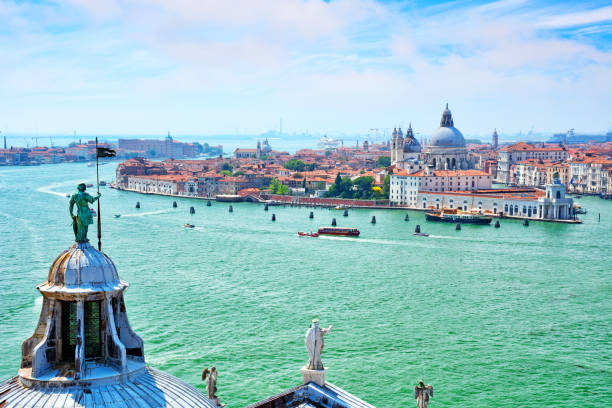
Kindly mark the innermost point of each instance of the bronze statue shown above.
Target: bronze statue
(314, 344)
(422, 393)
(82, 219)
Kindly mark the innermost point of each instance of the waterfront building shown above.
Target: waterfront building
(548, 204)
(590, 175)
(404, 187)
(446, 149)
(521, 151)
(83, 352)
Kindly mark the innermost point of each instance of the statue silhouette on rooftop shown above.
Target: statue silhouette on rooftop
(314, 344)
(83, 217)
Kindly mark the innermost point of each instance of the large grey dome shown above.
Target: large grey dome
(447, 137)
(447, 134)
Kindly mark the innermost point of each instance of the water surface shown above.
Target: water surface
(509, 317)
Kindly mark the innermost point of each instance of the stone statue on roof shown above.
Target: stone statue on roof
(422, 393)
(314, 344)
(83, 217)
(211, 384)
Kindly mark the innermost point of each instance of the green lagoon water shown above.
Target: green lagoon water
(510, 317)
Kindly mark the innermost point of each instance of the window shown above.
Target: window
(69, 330)
(93, 343)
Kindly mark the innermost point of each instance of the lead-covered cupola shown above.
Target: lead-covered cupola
(83, 332)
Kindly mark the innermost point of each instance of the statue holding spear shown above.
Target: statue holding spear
(83, 217)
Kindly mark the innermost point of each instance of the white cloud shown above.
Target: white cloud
(577, 19)
(346, 64)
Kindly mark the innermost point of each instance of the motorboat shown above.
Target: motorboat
(456, 216)
(308, 234)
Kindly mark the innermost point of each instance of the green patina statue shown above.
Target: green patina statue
(82, 219)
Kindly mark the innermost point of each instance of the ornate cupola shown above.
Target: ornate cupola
(83, 352)
(447, 118)
(83, 328)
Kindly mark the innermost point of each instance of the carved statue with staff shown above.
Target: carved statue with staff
(83, 218)
(314, 344)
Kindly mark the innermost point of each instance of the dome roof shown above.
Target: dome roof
(411, 145)
(447, 134)
(82, 269)
(151, 389)
(447, 137)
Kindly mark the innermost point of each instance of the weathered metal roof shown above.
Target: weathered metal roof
(82, 269)
(153, 389)
(312, 396)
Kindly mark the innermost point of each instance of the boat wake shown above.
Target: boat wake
(367, 240)
(142, 214)
(49, 189)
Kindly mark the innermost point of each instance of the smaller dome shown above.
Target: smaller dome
(82, 269)
(411, 145)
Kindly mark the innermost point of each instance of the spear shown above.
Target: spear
(101, 152)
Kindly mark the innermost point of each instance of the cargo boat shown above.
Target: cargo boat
(348, 232)
(454, 216)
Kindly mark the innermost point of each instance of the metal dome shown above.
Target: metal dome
(151, 389)
(447, 137)
(82, 268)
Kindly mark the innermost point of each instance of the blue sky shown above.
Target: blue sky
(339, 66)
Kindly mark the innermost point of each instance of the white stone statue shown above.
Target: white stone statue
(314, 344)
(422, 393)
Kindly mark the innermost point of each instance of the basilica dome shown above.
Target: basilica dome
(447, 135)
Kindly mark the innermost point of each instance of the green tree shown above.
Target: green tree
(304, 183)
(226, 172)
(386, 185)
(276, 187)
(226, 166)
(320, 185)
(383, 161)
(338, 179)
(239, 173)
(346, 188)
(363, 187)
(282, 189)
(295, 165)
(297, 175)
